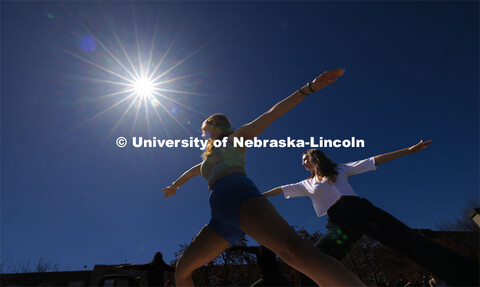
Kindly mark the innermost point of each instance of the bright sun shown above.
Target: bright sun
(145, 84)
(144, 87)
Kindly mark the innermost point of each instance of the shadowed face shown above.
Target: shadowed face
(206, 127)
(216, 126)
(306, 162)
(209, 126)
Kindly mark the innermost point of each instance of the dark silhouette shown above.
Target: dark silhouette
(351, 217)
(267, 262)
(154, 269)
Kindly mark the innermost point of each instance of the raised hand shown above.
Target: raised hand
(169, 191)
(326, 79)
(418, 147)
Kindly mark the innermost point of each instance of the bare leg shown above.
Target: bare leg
(260, 220)
(204, 248)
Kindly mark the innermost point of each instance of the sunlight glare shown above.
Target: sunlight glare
(144, 87)
(144, 84)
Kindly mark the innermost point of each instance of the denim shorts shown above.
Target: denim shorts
(226, 197)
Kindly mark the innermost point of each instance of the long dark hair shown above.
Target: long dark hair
(322, 164)
(219, 121)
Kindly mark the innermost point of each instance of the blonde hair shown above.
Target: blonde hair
(220, 121)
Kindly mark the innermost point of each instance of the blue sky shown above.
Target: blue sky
(71, 196)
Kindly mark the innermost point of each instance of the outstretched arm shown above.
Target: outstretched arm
(396, 154)
(257, 126)
(272, 192)
(186, 176)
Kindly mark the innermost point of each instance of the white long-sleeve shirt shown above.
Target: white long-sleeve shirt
(323, 194)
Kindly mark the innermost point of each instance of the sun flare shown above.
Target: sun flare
(144, 87)
(145, 79)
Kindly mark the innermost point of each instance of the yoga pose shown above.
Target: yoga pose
(237, 206)
(351, 216)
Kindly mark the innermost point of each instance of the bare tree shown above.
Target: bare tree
(311, 238)
(3, 264)
(463, 223)
(27, 266)
(372, 261)
(176, 255)
(227, 260)
(234, 258)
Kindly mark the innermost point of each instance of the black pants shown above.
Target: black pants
(351, 217)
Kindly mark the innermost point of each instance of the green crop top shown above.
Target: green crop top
(221, 161)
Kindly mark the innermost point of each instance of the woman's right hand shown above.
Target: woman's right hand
(169, 191)
(326, 79)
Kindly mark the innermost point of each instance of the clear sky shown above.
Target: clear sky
(71, 196)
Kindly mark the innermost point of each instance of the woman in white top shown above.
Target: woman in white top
(350, 217)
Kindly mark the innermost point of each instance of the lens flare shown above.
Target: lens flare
(88, 44)
(155, 103)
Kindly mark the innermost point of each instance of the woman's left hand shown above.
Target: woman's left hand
(326, 79)
(169, 191)
(418, 147)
